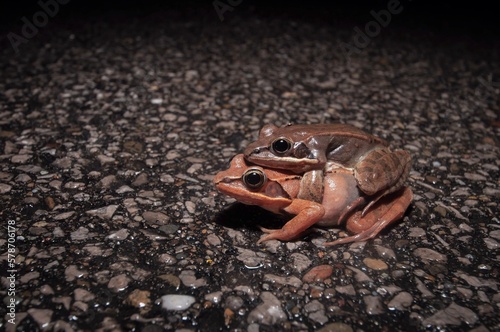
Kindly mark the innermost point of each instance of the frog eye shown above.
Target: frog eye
(254, 178)
(281, 145)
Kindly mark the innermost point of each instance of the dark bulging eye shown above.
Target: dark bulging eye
(254, 178)
(281, 145)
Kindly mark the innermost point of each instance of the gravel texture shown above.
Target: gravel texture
(112, 127)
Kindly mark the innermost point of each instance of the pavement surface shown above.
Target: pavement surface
(114, 122)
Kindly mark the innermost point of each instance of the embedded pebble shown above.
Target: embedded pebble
(214, 297)
(373, 305)
(84, 295)
(29, 276)
(214, 240)
(375, 264)
(175, 302)
(269, 312)
(429, 255)
(250, 258)
(139, 298)
(120, 235)
(104, 213)
(119, 283)
(5, 188)
(347, 290)
(64, 215)
(316, 311)
(300, 261)
(281, 280)
(105, 159)
(189, 279)
(171, 279)
(360, 275)
(124, 189)
(167, 259)
(41, 316)
(401, 301)
(72, 273)
(385, 252)
(157, 218)
(233, 302)
(80, 234)
(318, 273)
(107, 181)
(452, 315)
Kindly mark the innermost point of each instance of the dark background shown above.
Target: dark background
(473, 16)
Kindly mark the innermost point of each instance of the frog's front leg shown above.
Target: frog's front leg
(307, 213)
(388, 210)
(382, 172)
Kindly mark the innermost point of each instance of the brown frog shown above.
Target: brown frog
(300, 149)
(335, 201)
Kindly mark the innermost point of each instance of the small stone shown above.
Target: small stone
(139, 299)
(107, 181)
(171, 280)
(155, 218)
(190, 207)
(228, 316)
(175, 302)
(428, 255)
(5, 188)
(83, 295)
(64, 215)
(347, 290)
(300, 262)
(42, 317)
(269, 312)
(49, 201)
(80, 234)
(119, 283)
(167, 259)
(189, 279)
(401, 301)
(29, 276)
(452, 315)
(124, 189)
(281, 280)
(20, 159)
(440, 210)
(374, 305)
(120, 235)
(140, 180)
(233, 302)
(375, 264)
(105, 159)
(73, 273)
(316, 311)
(104, 213)
(360, 275)
(214, 240)
(214, 297)
(318, 273)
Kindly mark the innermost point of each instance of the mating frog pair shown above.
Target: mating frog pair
(324, 175)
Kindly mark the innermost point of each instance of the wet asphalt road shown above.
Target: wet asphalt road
(113, 125)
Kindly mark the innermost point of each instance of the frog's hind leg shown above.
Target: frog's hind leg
(389, 209)
(382, 172)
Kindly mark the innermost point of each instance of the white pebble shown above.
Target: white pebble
(176, 302)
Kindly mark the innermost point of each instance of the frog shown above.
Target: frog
(302, 148)
(334, 203)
